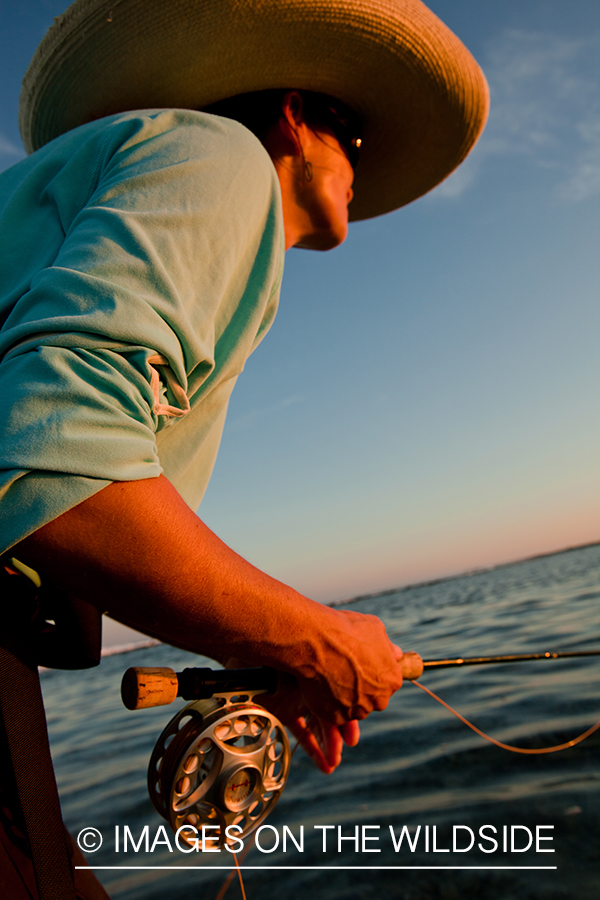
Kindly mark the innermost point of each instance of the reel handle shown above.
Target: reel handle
(142, 688)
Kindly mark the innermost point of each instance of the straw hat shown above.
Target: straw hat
(420, 94)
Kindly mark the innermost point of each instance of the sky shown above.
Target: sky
(427, 400)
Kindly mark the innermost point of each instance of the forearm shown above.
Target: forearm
(137, 551)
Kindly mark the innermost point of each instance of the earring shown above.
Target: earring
(308, 169)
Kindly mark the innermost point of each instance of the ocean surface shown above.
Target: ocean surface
(415, 766)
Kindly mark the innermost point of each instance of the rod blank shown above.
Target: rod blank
(511, 657)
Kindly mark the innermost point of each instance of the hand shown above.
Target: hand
(321, 740)
(354, 672)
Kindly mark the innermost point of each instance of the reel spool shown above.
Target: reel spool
(219, 762)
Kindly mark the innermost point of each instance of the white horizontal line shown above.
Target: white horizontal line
(324, 868)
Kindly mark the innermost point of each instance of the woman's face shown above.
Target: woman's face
(315, 175)
(324, 198)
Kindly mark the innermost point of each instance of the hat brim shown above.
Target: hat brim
(421, 96)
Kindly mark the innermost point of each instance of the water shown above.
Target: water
(416, 765)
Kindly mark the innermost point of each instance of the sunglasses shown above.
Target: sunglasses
(346, 128)
(346, 134)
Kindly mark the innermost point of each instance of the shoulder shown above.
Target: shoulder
(155, 139)
(186, 145)
(184, 134)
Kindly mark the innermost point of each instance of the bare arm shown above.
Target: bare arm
(137, 551)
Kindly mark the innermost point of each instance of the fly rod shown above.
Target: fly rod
(146, 687)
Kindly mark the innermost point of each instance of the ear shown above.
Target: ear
(292, 119)
(292, 108)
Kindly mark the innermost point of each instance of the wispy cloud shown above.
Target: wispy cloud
(9, 153)
(249, 419)
(9, 148)
(545, 103)
(459, 181)
(584, 179)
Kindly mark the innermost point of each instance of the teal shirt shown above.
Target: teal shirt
(140, 264)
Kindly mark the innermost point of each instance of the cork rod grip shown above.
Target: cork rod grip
(142, 688)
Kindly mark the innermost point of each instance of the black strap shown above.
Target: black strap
(26, 731)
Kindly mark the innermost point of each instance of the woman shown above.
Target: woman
(149, 248)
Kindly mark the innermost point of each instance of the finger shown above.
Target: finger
(331, 742)
(398, 654)
(350, 732)
(310, 744)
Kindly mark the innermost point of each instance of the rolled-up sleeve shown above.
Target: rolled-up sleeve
(156, 276)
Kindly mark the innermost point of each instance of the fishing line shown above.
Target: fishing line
(239, 871)
(512, 749)
(227, 883)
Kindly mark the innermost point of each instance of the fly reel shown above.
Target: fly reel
(221, 761)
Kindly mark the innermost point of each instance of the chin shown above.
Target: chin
(324, 239)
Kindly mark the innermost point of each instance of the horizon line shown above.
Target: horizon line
(479, 570)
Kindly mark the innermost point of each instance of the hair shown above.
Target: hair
(259, 111)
